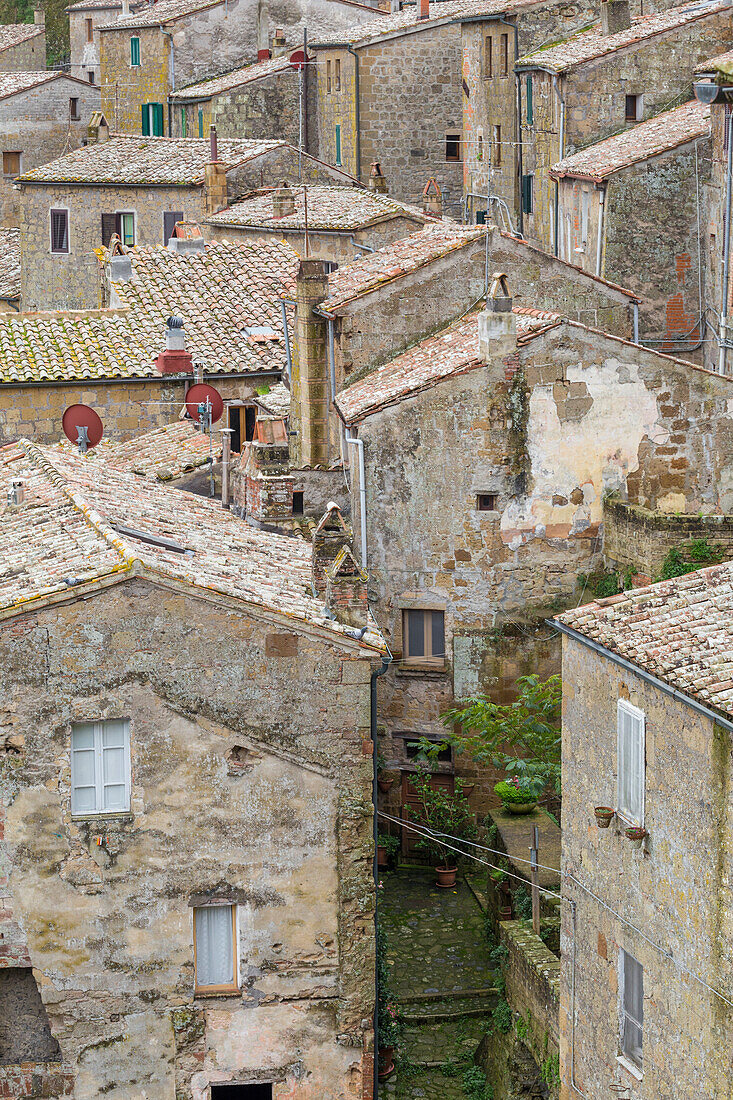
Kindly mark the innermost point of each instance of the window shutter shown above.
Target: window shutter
(416, 633)
(338, 145)
(438, 634)
(201, 122)
(530, 105)
(630, 763)
(83, 770)
(114, 766)
(145, 119)
(158, 119)
(59, 231)
(170, 217)
(109, 226)
(214, 945)
(134, 51)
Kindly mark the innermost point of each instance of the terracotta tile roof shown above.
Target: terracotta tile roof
(65, 536)
(680, 631)
(111, 5)
(452, 351)
(162, 454)
(203, 89)
(219, 294)
(345, 208)
(13, 83)
(146, 160)
(723, 63)
(407, 22)
(12, 34)
(276, 402)
(163, 11)
(591, 44)
(395, 260)
(646, 139)
(9, 263)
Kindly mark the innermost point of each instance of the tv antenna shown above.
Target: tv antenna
(205, 405)
(82, 426)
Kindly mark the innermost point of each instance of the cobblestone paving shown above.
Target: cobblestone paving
(439, 959)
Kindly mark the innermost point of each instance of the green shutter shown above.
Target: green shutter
(183, 121)
(145, 119)
(338, 145)
(530, 107)
(157, 119)
(201, 122)
(527, 182)
(134, 51)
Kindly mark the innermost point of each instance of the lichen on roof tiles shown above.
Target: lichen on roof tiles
(202, 89)
(345, 208)
(9, 264)
(164, 11)
(12, 34)
(276, 402)
(164, 454)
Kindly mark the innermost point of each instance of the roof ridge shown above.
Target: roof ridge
(93, 519)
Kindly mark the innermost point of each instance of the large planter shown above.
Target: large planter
(382, 857)
(520, 807)
(385, 784)
(445, 877)
(604, 816)
(385, 1063)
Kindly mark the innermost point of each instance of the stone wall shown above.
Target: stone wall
(25, 1035)
(639, 539)
(85, 54)
(265, 108)
(126, 87)
(37, 124)
(28, 56)
(127, 407)
(669, 911)
(284, 836)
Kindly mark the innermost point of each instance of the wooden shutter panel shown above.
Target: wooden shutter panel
(109, 226)
(145, 119)
(158, 119)
(630, 763)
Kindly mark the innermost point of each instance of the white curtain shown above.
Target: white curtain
(214, 945)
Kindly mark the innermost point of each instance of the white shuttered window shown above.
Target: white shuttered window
(100, 767)
(630, 762)
(632, 1008)
(214, 927)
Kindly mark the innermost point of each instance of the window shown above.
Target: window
(338, 144)
(504, 55)
(630, 763)
(241, 1092)
(487, 502)
(134, 51)
(632, 1008)
(170, 217)
(328, 76)
(201, 122)
(528, 193)
(152, 120)
(184, 122)
(530, 101)
(488, 57)
(452, 146)
(126, 229)
(497, 146)
(214, 940)
(11, 164)
(337, 75)
(90, 75)
(59, 230)
(423, 636)
(74, 109)
(100, 767)
(298, 496)
(633, 108)
(90, 30)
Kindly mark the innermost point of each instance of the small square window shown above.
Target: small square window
(11, 164)
(633, 108)
(90, 75)
(487, 502)
(74, 109)
(215, 948)
(423, 636)
(453, 147)
(298, 502)
(100, 767)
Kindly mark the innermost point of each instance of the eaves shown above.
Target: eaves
(377, 39)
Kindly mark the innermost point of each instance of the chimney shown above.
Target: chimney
(279, 43)
(615, 16)
(16, 493)
(39, 16)
(98, 129)
(310, 400)
(186, 238)
(213, 145)
(376, 181)
(432, 198)
(283, 201)
(329, 537)
(125, 10)
(263, 55)
(424, 9)
(346, 589)
(497, 325)
(175, 359)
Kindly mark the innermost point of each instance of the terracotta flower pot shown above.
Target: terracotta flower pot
(386, 1063)
(636, 835)
(505, 912)
(604, 815)
(520, 807)
(382, 857)
(467, 789)
(385, 784)
(445, 877)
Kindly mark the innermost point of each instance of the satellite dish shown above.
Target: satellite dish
(82, 426)
(298, 59)
(198, 395)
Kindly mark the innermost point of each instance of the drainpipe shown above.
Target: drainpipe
(726, 254)
(518, 127)
(520, 150)
(635, 307)
(171, 78)
(288, 357)
(332, 358)
(355, 442)
(601, 228)
(556, 86)
(357, 113)
(226, 458)
(375, 794)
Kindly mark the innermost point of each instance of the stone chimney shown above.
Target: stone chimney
(175, 359)
(39, 16)
(98, 129)
(125, 10)
(432, 198)
(497, 325)
(376, 181)
(283, 201)
(215, 179)
(346, 589)
(329, 537)
(310, 400)
(423, 9)
(186, 238)
(615, 16)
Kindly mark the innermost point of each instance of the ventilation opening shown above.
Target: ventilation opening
(25, 1033)
(487, 502)
(298, 502)
(241, 1092)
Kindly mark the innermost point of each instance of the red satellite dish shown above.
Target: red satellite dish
(298, 59)
(80, 417)
(198, 395)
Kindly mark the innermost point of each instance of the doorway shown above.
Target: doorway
(242, 420)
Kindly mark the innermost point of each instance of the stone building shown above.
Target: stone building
(9, 270)
(85, 19)
(42, 115)
(343, 222)
(228, 297)
(632, 208)
(23, 45)
(646, 990)
(199, 825)
(483, 455)
(138, 188)
(147, 56)
(598, 83)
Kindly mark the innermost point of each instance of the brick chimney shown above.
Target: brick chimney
(615, 16)
(423, 9)
(376, 181)
(175, 359)
(283, 201)
(215, 179)
(309, 388)
(279, 43)
(432, 198)
(346, 589)
(329, 537)
(186, 238)
(497, 325)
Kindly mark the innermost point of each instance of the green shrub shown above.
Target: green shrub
(522, 901)
(689, 557)
(475, 1084)
(519, 790)
(501, 1017)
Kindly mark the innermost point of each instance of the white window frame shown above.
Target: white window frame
(428, 657)
(624, 706)
(130, 214)
(629, 1063)
(52, 250)
(100, 808)
(234, 987)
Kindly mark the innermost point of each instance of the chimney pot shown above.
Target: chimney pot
(174, 359)
(497, 324)
(615, 16)
(16, 492)
(432, 198)
(125, 9)
(424, 12)
(376, 181)
(283, 200)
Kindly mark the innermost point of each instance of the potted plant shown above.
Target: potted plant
(604, 815)
(387, 848)
(389, 1018)
(385, 782)
(636, 834)
(519, 793)
(447, 813)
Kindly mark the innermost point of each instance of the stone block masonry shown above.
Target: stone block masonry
(639, 539)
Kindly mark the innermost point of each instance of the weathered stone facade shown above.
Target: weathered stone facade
(268, 107)
(639, 539)
(84, 24)
(281, 831)
(26, 56)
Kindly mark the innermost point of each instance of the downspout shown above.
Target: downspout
(556, 86)
(635, 307)
(171, 78)
(375, 829)
(359, 443)
(357, 121)
(288, 357)
(332, 358)
(726, 254)
(601, 228)
(305, 89)
(520, 204)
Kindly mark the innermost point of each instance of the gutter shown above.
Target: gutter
(600, 242)
(648, 678)
(88, 382)
(357, 120)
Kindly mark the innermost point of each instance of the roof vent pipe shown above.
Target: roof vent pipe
(424, 10)
(214, 145)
